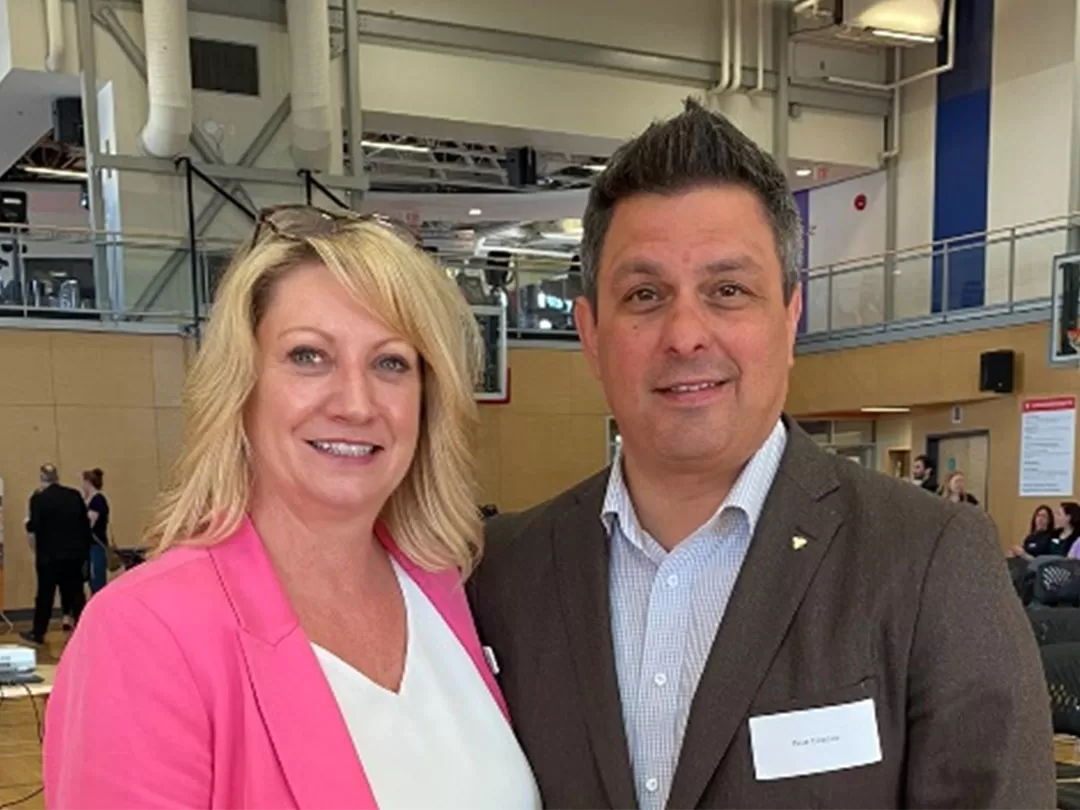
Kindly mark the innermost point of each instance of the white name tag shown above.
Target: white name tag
(801, 743)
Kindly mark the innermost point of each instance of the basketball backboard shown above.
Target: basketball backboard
(1065, 316)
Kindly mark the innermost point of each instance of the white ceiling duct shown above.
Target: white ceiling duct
(920, 18)
(54, 34)
(168, 77)
(309, 56)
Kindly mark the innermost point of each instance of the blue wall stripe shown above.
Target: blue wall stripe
(802, 201)
(962, 157)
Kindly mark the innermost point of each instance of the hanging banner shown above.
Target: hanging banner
(1047, 446)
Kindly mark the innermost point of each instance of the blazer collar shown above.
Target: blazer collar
(309, 735)
(771, 586)
(298, 707)
(581, 554)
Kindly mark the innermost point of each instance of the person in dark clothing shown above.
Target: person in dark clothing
(59, 532)
(97, 508)
(1042, 536)
(922, 473)
(1068, 524)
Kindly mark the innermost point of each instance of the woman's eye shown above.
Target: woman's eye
(394, 363)
(306, 356)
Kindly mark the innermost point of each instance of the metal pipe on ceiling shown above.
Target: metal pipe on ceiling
(309, 60)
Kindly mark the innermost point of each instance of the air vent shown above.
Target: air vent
(224, 67)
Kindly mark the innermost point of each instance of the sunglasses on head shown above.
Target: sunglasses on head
(300, 222)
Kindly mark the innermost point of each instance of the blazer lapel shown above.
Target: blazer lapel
(581, 578)
(309, 734)
(769, 590)
(446, 593)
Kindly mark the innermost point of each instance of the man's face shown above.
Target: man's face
(691, 337)
(918, 469)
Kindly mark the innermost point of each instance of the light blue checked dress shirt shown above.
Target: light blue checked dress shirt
(666, 608)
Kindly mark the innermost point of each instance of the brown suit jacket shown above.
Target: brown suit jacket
(897, 595)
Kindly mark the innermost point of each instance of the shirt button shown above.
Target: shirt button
(673, 581)
(660, 679)
(652, 785)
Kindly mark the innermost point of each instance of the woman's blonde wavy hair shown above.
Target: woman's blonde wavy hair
(432, 515)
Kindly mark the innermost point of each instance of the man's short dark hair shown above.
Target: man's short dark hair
(49, 475)
(696, 148)
(926, 462)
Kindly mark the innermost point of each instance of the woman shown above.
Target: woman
(1067, 519)
(97, 508)
(302, 638)
(956, 489)
(1041, 535)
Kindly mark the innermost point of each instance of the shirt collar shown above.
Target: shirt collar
(747, 495)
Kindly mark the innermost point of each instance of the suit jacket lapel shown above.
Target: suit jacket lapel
(769, 590)
(582, 577)
(299, 710)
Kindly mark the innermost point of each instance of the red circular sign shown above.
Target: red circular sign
(860, 202)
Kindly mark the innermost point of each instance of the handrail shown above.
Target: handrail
(1004, 231)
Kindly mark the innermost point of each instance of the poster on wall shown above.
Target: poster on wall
(1047, 446)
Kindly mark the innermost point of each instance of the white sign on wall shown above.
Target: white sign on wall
(1047, 446)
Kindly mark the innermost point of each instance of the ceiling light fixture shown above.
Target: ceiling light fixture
(803, 172)
(65, 174)
(475, 212)
(595, 167)
(397, 147)
(886, 409)
(906, 36)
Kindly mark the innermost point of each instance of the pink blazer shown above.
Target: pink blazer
(189, 683)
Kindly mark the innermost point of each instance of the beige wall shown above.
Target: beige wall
(932, 375)
(84, 400)
(551, 435)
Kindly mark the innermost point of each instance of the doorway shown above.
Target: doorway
(967, 452)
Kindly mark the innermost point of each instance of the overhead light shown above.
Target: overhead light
(906, 36)
(595, 167)
(535, 252)
(804, 5)
(475, 212)
(562, 236)
(886, 409)
(45, 171)
(803, 172)
(397, 147)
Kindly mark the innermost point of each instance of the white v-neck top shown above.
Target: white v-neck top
(441, 741)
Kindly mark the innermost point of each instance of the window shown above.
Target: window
(224, 67)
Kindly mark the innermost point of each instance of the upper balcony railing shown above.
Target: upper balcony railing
(148, 282)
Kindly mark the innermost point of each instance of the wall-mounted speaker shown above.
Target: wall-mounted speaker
(996, 370)
(68, 120)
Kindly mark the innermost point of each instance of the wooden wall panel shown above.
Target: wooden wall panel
(91, 369)
(25, 369)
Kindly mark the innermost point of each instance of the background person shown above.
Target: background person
(59, 533)
(303, 638)
(955, 489)
(97, 509)
(922, 473)
(1041, 537)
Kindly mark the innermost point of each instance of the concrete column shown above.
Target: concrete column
(354, 127)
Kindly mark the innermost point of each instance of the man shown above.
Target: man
(922, 473)
(59, 532)
(667, 631)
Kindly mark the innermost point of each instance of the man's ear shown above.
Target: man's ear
(585, 320)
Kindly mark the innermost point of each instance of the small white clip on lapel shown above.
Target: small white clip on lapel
(798, 542)
(489, 656)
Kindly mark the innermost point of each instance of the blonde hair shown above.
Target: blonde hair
(432, 514)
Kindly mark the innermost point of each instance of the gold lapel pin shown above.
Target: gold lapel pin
(798, 542)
